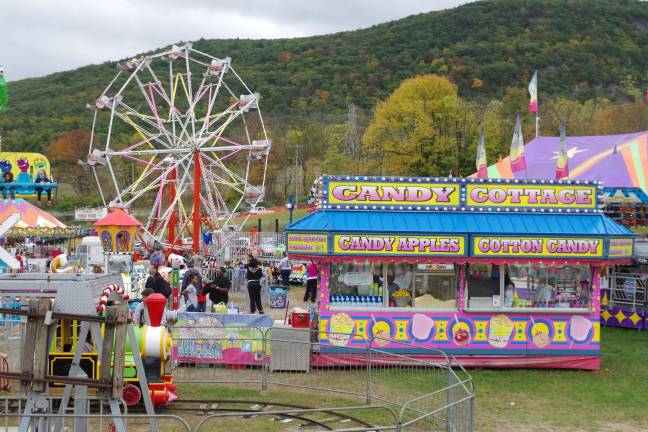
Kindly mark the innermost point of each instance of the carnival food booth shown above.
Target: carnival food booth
(499, 273)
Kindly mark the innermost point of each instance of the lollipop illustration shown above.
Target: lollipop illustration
(461, 333)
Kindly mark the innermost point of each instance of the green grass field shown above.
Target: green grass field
(612, 399)
(571, 400)
(268, 219)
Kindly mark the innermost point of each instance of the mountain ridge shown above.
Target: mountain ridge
(582, 49)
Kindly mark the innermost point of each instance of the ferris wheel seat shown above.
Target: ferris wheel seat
(253, 194)
(105, 103)
(216, 67)
(28, 187)
(248, 102)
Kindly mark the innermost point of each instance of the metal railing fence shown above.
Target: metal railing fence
(628, 289)
(237, 245)
(429, 391)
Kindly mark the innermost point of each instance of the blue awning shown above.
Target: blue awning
(460, 223)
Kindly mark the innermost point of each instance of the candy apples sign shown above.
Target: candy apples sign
(347, 244)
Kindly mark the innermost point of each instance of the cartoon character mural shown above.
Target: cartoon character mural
(5, 166)
(123, 241)
(106, 241)
(25, 168)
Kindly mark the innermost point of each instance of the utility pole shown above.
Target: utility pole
(297, 177)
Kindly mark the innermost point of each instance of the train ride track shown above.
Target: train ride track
(317, 419)
(254, 408)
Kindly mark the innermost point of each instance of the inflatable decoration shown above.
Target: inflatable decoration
(59, 263)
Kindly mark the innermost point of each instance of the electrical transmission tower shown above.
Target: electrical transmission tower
(352, 140)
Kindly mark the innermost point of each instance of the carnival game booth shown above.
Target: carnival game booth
(500, 273)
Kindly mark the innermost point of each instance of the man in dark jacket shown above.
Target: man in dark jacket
(156, 282)
(218, 289)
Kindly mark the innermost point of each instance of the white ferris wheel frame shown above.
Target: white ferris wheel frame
(173, 143)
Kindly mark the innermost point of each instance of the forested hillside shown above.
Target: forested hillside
(584, 50)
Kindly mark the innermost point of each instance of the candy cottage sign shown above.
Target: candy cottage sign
(425, 194)
(513, 196)
(441, 194)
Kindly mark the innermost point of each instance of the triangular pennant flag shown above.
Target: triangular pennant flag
(516, 156)
(482, 171)
(533, 93)
(562, 162)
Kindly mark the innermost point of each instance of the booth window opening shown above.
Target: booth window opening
(394, 285)
(515, 287)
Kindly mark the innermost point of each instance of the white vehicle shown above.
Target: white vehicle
(90, 252)
(257, 210)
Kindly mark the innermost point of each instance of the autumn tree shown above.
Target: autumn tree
(419, 130)
(68, 154)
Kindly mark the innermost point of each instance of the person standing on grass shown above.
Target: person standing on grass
(218, 289)
(157, 257)
(285, 268)
(253, 275)
(186, 277)
(191, 294)
(311, 281)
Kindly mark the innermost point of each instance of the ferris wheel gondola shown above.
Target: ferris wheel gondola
(180, 133)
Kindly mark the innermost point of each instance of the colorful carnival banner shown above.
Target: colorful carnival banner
(310, 243)
(348, 244)
(471, 194)
(621, 248)
(550, 247)
(535, 196)
(220, 338)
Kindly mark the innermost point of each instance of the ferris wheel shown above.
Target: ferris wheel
(179, 134)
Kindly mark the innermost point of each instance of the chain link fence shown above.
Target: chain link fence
(395, 391)
(359, 389)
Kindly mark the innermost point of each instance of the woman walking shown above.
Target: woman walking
(253, 276)
(311, 282)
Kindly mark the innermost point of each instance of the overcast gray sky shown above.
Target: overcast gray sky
(44, 36)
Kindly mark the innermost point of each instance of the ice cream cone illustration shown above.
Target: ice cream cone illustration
(341, 329)
(499, 331)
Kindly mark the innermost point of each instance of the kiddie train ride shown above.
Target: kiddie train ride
(153, 346)
(83, 293)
